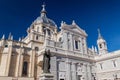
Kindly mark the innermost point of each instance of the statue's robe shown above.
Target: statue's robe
(46, 62)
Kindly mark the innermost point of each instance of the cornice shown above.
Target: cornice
(107, 56)
(72, 55)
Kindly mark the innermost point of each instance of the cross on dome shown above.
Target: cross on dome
(43, 8)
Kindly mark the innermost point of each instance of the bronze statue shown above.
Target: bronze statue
(46, 62)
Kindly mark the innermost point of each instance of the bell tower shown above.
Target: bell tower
(102, 46)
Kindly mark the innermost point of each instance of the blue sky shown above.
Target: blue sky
(17, 15)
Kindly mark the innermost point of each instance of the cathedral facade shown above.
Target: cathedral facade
(71, 59)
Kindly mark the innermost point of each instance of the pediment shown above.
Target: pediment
(77, 29)
(74, 28)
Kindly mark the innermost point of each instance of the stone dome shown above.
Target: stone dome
(44, 19)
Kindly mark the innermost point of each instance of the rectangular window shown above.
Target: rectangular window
(101, 66)
(37, 37)
(114, 63)
(76, 44)
(25, 68)
(6, 45)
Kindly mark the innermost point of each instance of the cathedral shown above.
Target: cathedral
(71, 59)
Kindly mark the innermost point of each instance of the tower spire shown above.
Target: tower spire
(99, 34)
(102, 46)
(43, 11)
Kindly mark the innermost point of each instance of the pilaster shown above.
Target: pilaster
(89, 71)
(21, 66)
(53, 68)
(18, 62)
(74, 75)
(65, 41)
(8, 59)
(85, 71)
(71, 40)
(33, 63)
(68, 71)
(30, 65)
(84, 46)
(80, 44)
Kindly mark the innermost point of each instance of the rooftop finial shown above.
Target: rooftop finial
(19, 39)
(99, 34)
(73, 22)
(62, 23)
(43, 8)
(9, 37)
(3, 37)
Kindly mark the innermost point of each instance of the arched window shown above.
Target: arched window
(114, 63)
(33, 27)
(100, 45)
(48, 32)
(6, 45)
(36, 49)
(101, 66)
(37, 29)
(60, 39)
(76, 44)
(37, 37)
(25, 68)
(43, 29)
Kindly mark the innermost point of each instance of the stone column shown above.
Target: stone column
(82, 47)
(68, 70)
(31, 36)
(30, 65)
(21, 65)
(85, 46)
(53, 68)
(17, 65)
(18, 62)
(89, 71)
(65, 39)
(33, 63)
(21, 61)
(80, 44)
(74, 75)
(8, 60)
(85, 71)
(72, 43)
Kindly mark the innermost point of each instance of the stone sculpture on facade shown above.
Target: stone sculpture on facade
(46, 75)
(46, 62)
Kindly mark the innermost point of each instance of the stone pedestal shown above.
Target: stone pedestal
(46, 76)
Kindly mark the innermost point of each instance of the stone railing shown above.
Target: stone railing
(57, 48)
